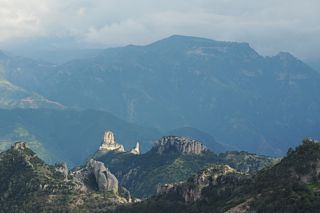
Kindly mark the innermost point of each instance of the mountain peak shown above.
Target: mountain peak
(189, 38)
(203, 47)
(183, 145)
(184, 40)
(285, 56)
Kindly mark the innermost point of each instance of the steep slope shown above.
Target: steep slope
(172, 159)
(227, 89)
(292, 185)
(27, 184)
(14, 96)
(68, 135)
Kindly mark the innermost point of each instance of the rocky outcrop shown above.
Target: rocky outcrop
(244, 207)
(191, 190)
(174, 144)
(125, 193)
(48, 188)
(19, 146)
(63, 169)
(109, 143)
(136, 149)
(104, 178)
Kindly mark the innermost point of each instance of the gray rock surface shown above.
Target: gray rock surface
(191, 190)
(105, 179)
(183, 145)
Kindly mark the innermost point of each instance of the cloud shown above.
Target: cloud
(269, 26)
(17, 22)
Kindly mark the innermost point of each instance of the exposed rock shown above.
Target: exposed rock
(105, 179)
(174, 144)
(41, 187)
(109, 143)
(63, 169)
(191, 190)
(125, 193)
(19, 146)
(244, 207)
(166, 188)
(136, 149)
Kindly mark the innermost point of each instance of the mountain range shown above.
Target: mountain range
(226, 89)
(259, 184)
(292, 185)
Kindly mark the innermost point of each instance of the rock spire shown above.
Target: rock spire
(109, 143)
(136, 149)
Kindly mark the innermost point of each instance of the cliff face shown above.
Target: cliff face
(174, 144)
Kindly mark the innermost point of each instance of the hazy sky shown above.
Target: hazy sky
(269, 26)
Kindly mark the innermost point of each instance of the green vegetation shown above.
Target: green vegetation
(20, 133)
(292, 185)
(142, 174)
(27, 184)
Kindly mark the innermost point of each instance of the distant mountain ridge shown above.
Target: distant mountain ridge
(68, 135)
(14, 96)
(227, 89)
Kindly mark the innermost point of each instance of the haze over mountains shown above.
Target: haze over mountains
(242, 99)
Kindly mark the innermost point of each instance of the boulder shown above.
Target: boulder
(105, 179)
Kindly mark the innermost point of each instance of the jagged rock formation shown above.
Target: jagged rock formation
(105, 179)
(125, 193)
(182, 145)
(19, 146)
(191, 190)
(27, 183)
(109, 143)
(171, 160)
(63, 169)
(136, 149)
(292, 185)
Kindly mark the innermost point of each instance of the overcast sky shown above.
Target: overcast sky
(269, 26)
